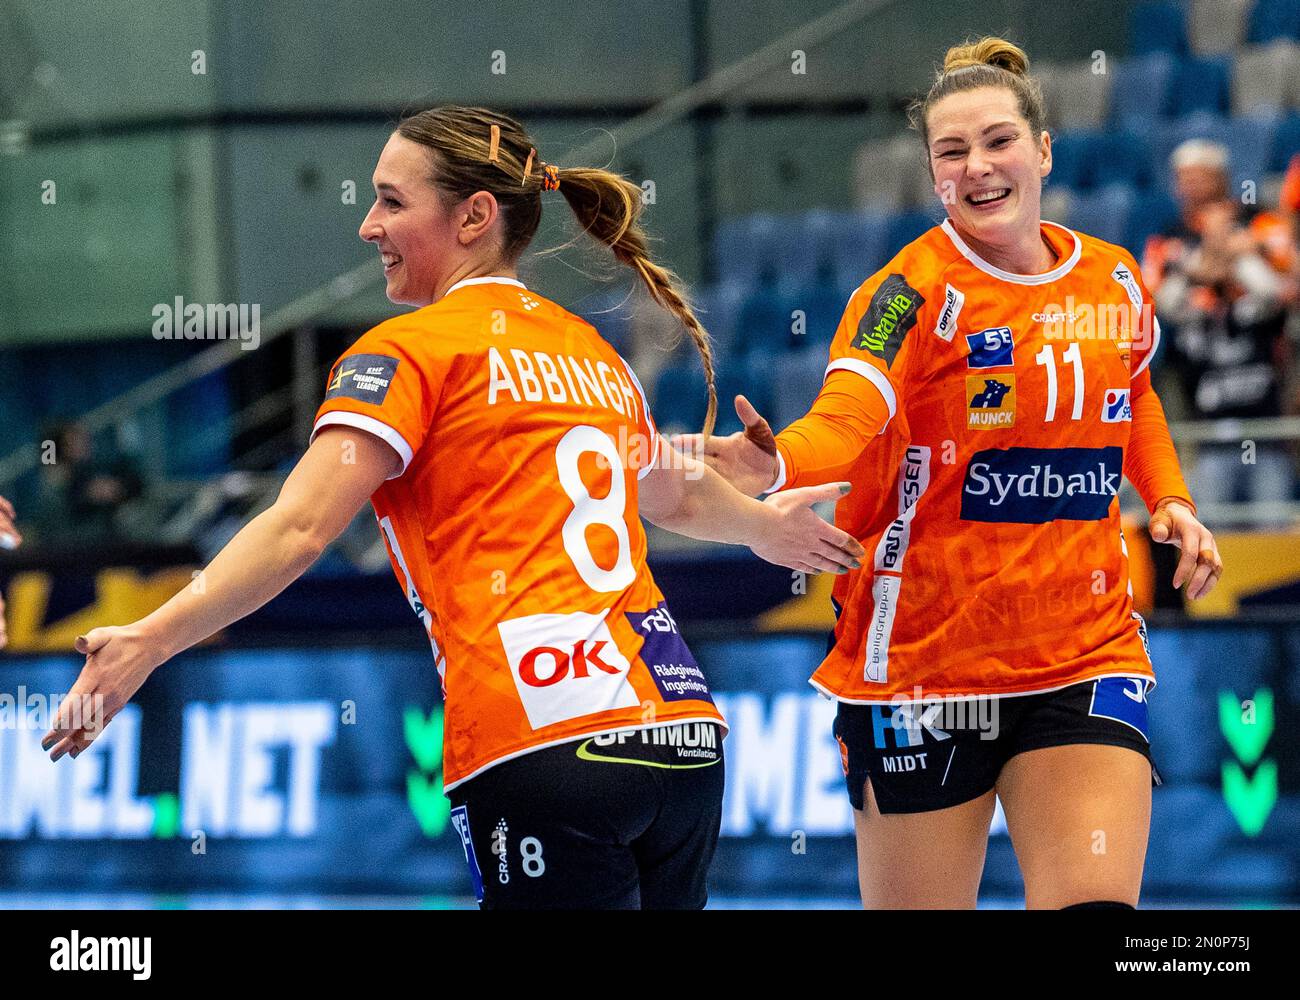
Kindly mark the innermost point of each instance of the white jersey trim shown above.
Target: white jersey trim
(371, 426)
(1060, 271)
(873, 375)
(781, 473)
(1155, 342)
(720, 723)
(491, 279)
(653, 464)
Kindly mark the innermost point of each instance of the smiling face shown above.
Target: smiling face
(416, 234)
(988, 165)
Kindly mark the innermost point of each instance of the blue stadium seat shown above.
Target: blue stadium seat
(1274, 19)
(744, 245)
(861, 247)
(1286, 142)
(905, 227)
(1200, 85)
(1140, 90)
(763, 320)
(1104, 213)
(718, 307)
(1250, 147)
(1152, 212)
(798, 378)
(1158, 27)
(753, 379)
(1071, 156)
(1119, 157)
(808, 244)
(822, 301)
(680, 398)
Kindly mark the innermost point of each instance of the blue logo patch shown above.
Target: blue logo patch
(666, 655)
(1123, 699)
(460, 820)
(989, 348)
(1038, 485)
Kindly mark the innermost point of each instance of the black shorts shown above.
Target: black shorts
(622, 821)
(932, 755)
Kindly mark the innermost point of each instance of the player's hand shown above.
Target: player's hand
(746, 459)
(9, 536)
(119, 659)
(9, 539)
(801, 540)
(1200, 566)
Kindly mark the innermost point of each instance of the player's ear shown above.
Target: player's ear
(477, 214)
(1044, 154)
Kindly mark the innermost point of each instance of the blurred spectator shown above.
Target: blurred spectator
(1222, 301)
(83, 496)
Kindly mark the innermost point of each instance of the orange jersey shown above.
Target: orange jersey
(988, 501)
(513, 525)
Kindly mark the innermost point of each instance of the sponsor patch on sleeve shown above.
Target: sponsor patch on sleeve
(365, 377)
(890, 314)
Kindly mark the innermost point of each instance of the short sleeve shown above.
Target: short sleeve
(383, 387)
(874, 331)
(1146, 338)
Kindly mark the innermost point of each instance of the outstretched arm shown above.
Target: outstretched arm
(326, 489)
(819, 447)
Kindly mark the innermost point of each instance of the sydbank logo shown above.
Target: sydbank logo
(1038, 485)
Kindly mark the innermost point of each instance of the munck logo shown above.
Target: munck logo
(566, 666)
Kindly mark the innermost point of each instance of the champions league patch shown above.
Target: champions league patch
(666, 655)
(364, 377)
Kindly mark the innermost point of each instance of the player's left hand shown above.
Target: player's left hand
(119, 659)
(9, 539)
(1200, 566)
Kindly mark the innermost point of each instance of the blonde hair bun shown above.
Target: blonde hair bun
(987, 52)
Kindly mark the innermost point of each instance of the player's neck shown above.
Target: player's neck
(1031, 255)
(469, 270)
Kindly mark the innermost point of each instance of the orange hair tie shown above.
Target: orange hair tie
(494, 147)
(550, 177)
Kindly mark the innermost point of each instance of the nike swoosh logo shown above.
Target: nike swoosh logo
(585, 754)
(1137, 694)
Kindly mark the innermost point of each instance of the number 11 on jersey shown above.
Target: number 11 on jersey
(1047, 358)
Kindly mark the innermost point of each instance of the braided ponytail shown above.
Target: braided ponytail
(607, 207)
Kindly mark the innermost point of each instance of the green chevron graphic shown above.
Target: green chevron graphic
(1251, 800)
(1247, 739)
(430, 805)
(423, 737)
